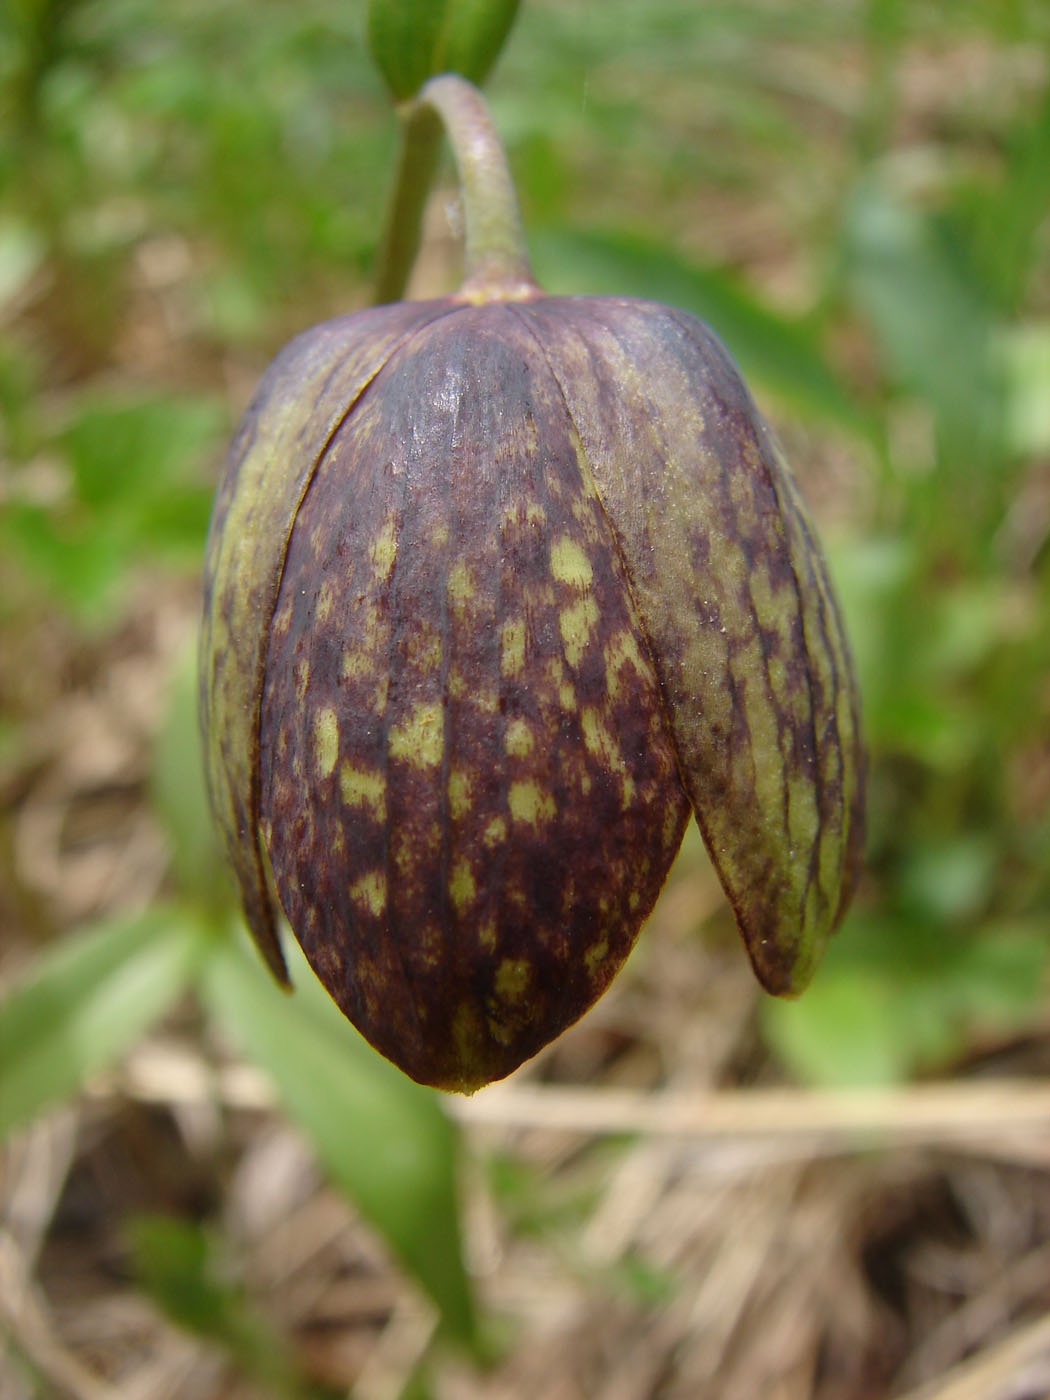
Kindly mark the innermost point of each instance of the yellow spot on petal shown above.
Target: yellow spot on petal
(620, 651)
(363, 787)
(529, 803)
(561, 683)
(423, 648)
(461, 585)
(462, 887)
(518, 739)
(467, 1033)
(595, 956)
(382, 551)
(459, 793)
(420, 737)
(575, 623)
(773, 608)
(324, 603)
(356, 664)
(512, 978)
(370, 892)
(326, 740)
(569, 564)
(402, 851)
(512, 647)
(487, 933)
(600, 743)
(495, 832)
(302, 678)
(603, 746)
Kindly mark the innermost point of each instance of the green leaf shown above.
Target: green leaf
(842, 1033)
(182, 1268)
(383, 1140)
(1024, 352)
(120, 449)
(21, 254)
(896, 996)
(85, 1002)
(910, 274)
(1011, 216)
(411, 40)
(179, 793)
(780, 353)
(82, 566)
(139, 494)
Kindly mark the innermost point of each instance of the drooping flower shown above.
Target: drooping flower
(500, 588)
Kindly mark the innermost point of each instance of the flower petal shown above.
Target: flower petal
(733, 594)
(304, 396)
(469, 791)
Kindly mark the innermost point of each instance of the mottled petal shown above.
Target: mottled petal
(736, 606)
(469, 791)
(304, 396)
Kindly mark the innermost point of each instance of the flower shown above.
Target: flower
(496, 595)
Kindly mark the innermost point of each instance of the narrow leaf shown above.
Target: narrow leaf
(85, 1002)
(179, 794)
(411, 40)
(384, 1141)
(911, 276)
(183, 1269)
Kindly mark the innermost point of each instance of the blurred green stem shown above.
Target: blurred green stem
(39, 31)
(417, 162)
(495, 261)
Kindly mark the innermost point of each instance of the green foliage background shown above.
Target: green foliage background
(220, 172)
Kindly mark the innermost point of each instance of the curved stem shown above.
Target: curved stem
(495, 262)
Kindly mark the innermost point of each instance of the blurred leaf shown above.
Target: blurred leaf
(21, 253)
(179, 793)
(949, 879)
(917, 666)
(138, 494)
(1025, 356)
(774, 350)
(871, 577)
(965, 626)
(119, 450)
(81, 566)
(411, 40)
(181, 1267)
(1011, 216)
(382, 1139)
(909, 273)
(85, 1001)
(842, 1033)
(646, 1284)
(896, 997)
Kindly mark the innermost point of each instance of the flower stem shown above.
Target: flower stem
(495, 261)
